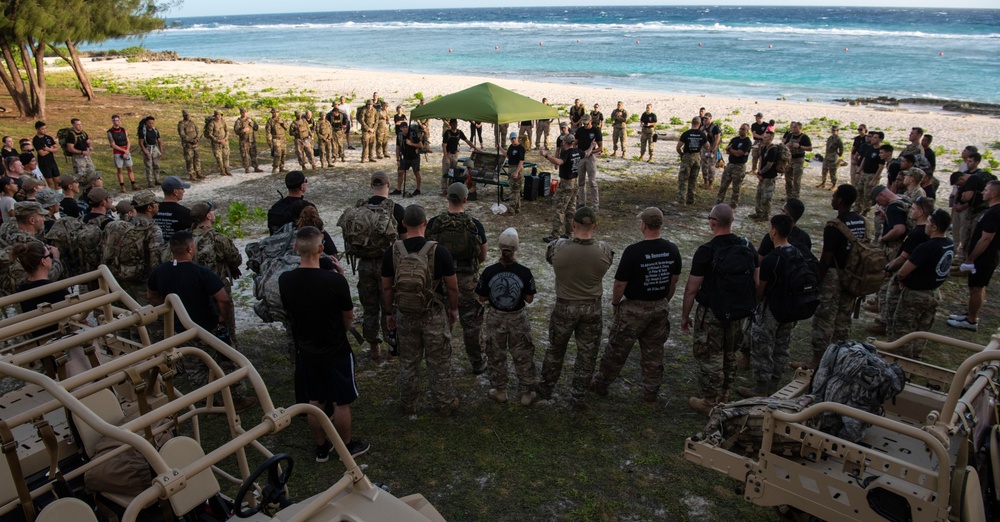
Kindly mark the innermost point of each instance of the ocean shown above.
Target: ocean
(797, 53)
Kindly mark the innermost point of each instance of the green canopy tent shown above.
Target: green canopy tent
(486, 102)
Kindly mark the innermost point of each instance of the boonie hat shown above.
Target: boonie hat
(144, 198)
(294, 179)
(48, 197)
(172, 183)
(509, 240)
(97, 195)
(200, 210)
(875, 191)
(29, 208)
(414, 216)
(585, 216)
(380, 179)
(652, 217)
(457, 192)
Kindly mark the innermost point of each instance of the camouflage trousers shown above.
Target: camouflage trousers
(687, 177)
(221, 153)
(645, 140)
(914, 313)
(969, 220)
(326, 157)
(278, 155)
(83, 166)
(382, 142)
(890, 303)
(715, 345)
(830, 166)
(542, 134)
(755, 158)
(304, 153)
(618, 138)
(470, 315)
(864, 203)
(370, 295)
(708, 167)
(338, 145)
(583, 320)
(510, 332)
(425, 337)
(765, 193)
(647, 322)
(191, 161)
(151, 161)
(769, 342)
(248, 158)
(516, 189)
(855, 169)
(448, 161)
(832, 321)
(733, 174)
(883, 296)
(793, 178)
(564, 205)
(367, 145)
(587, 192)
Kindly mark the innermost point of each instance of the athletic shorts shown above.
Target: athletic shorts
(405, 164)
(321, 380)
(347, 126)
(984, 272)
(122, 161)
(50, 171)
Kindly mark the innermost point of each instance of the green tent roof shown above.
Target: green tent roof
(486, 102)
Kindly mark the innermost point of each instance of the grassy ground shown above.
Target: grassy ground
(620, 460)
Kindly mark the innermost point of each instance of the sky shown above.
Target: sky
(235, 7)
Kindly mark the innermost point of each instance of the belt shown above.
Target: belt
(645, 303)
(595, 300)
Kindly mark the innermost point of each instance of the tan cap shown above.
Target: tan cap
(97, 195)
(124, 207)
(457, 192)
(652, 217)
(380, 179)
(144, 198)
(200, 210)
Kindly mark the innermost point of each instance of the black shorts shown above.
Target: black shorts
(321, 380)
(347, 126)
(405, 164)
(49, 171)
(984, 272)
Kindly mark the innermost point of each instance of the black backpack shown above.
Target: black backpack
(733, 291)
(795, 295)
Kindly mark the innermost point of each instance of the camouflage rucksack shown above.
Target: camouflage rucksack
(738, 426)
(270, 247)
(864, 269)
(78, 242)
(64, 136)
(783, 158)
(124, 249)
(855, 375)
(207, 253)
(265, 287)
(368, 229)
(414, 281)
(457, 232)
(11, 272)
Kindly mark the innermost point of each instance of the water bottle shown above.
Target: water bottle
(393, 343)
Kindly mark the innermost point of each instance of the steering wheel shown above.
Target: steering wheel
(273, 492)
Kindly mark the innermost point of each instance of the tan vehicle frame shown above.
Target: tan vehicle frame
(353, 497)
(910, 453)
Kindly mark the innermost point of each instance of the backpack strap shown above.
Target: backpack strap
(429, 250)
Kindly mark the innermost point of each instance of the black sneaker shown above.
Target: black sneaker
(395, 193)
(416, 192)
(323, 452)
(357, 447)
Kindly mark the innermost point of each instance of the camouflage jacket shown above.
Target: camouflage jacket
(367, 117)
(244, 128)
(217, 131)
(324, 130)
(619, 117)
(188, 131)
(834, 146)
(217, 252)
(300, 129)
(276, 128)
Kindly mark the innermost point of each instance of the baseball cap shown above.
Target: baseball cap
(124, 207)
(172, 183)
(66, 180)
(29, 208)
(294, 179)
(759, 115)
(200, 210)
(29, 183)
(48, 197)
(217, 112)
(509, 240)
(563, 125)
(25, 158)
(457, 192)
(585, 216)
(414, 216)
(380, 179)
(97, 195)
(585, 119)
(144, 198)
(875, 191)
(512, 136)
(652, 217)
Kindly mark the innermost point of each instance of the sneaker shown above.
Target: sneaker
(498, 395)
(528, 398)
(323, 452)
(357, 447)
(416, 192)
(958, 317)
(395, 193)
(963, 324)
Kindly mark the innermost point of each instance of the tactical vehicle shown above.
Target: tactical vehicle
(933, 456)
(88, 394)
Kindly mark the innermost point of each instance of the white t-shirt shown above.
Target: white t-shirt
(345, 108)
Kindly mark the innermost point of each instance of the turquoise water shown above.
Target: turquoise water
(794, 52)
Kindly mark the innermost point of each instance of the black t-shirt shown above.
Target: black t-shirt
(451, 139)
(770, 158)
(53, 297)
(870, 159)
(152, 137)
(975, 184)
(895, 214)
(932, 159)
(645, 118)
(758, 128)
(570, 163)
(444, 265)
(916, 236)
(410, 152)
(194, 284)
(118, 136)
(802, 140)
(398, 120)
(693, 140)
(172, 218)
(43, 142)
(647, 267)
(859, 143)
(280, 213)
(515, 155)
(933, 259)
(892, 172)
(397, 212)
(740, 144)
(701, 263)
(506, 287)
(989, 222)
(712, 130)
(70, 207)
(773, 266)
(836, 243)
(798, 238)
(315, 301)
(585, 136)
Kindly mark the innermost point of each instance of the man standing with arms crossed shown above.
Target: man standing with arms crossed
(218, 132)
(152, 151)
(798, 144)
(757, 130)
(831, 162)
(275, 130)
(648, 122)
(188, 132)
(689, 146)
(588, 194)
(714, 134)
(566, 194)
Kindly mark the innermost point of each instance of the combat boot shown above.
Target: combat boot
(760, 390)
(498, 395)
(703, 406)
(743, 363)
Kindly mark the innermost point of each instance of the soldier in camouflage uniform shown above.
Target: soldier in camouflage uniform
(619, 118)
(579, 265)
(739, 151)
(299, 129)
(382, 132)
(215, 251)
(275, 129)
(368, 118)
(766, 176)
(80, 147)
(542, 130)
(798, 143)
(246, 129)
(337, 122)
(218, 132)
(647, 278)
(324, 134)
(715, 341)
(428, 334)
(831, 161)
(145, 253)
(508, 286)
(565, 198)
(689, 146)
(30, 219)
(188, 132)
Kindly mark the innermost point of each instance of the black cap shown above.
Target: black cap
(294, 179)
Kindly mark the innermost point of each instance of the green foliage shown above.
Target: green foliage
(995, 145)
(418, 95)
(728, 129)
(736, 112)
(676, 120)
(939, 151)
(186, 89)
(237, 218)
(633, 118)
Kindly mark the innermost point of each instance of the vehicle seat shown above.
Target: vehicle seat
(182, 451)
(66, 509)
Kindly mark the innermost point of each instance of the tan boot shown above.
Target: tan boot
(703, 406)
(743, 363)
(498, 395)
